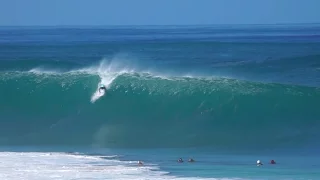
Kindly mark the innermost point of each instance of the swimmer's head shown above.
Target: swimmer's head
(272, 162)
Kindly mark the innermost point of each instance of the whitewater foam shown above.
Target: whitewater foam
(98, 94)
(42, 70)
(47, 166)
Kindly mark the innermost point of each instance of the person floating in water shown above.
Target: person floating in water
(180, 160)
(272, 162)
(102, 87)
(259, 163)
(191, 160)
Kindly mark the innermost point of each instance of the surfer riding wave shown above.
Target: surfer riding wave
(102, 87)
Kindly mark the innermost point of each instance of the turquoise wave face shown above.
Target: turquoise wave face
(141, 110)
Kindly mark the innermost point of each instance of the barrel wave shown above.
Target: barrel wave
(147, 110)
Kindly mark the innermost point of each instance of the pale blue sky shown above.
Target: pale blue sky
(157, 12)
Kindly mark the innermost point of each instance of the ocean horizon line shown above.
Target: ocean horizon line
(158, 25)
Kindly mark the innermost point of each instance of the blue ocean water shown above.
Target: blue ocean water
(223, 95)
